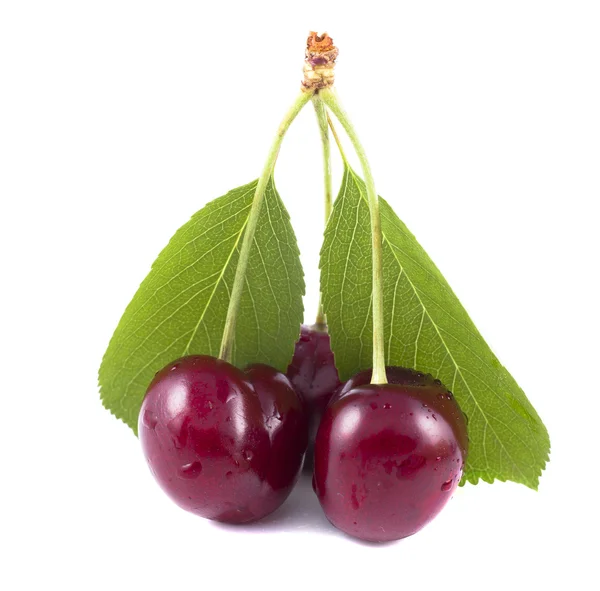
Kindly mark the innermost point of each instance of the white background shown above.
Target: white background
(119, 119)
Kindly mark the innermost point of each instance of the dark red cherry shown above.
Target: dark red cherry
(313, 373)
(388, 457)
(223, 443)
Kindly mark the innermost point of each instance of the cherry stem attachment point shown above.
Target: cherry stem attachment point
(227, 341)
(331, 100)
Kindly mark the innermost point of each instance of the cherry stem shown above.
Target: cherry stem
(338, 142)
(259, 194)
(322, 119)
(379, 375)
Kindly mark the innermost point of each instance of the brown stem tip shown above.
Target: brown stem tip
(321, 54)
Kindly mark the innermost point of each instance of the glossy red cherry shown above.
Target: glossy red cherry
(223, 443)
(388, 457)
(313, 373)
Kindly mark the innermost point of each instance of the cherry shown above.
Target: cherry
(223, 443)
(388, 457)
(313, 373)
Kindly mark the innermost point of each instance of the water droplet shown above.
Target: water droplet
(433, 415)
(411, 413)
(227, 419)
(149, 419)
(248, 455)
(373, 405)
(191, 470)
(438, 458)
(424, 405)
(210, 405)
(447, 485)
(437, 382)
(174, 366)
(387, 406)
(305, 338)
(179, 431)
(228, 474)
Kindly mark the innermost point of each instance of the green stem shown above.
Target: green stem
(323, 128)
(322, 118)
(338, 142)
(242, 266)
(379, 374)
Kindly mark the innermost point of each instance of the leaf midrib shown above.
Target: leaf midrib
(217, 283)
(207, 305)
(184, 269)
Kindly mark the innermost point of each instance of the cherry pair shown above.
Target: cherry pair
(228, 444)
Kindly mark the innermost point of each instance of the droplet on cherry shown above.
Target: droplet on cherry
(207, 433)
(399, 469)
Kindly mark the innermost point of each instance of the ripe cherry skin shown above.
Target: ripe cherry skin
(388, 457)
(223, 443)
(313, 373)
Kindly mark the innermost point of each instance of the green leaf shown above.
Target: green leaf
(180, 307)
(427, 328)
